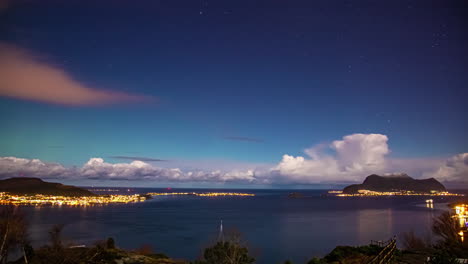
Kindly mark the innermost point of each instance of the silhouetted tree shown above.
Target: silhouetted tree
(55, 252)
(13, 232)
(227, 253)
(447, 228)
(55, 235)
(413, 242)
(230, 251)
(110, 243)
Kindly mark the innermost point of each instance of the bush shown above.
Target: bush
(447, 228)
(442, 257)
(226, 253)
(317, 261)
(144, 250)
(110, 243)
(342, 252)
(412, 242)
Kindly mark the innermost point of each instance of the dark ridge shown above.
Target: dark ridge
(398, 182)
(31, 186)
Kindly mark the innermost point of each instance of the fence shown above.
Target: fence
(386, 254)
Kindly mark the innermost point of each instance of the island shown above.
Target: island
(295, 195)
(395, 184)
(32, 186)
(34, 191)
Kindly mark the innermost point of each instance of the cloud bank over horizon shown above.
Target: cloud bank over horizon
(98, 169)
(355, 155)
(49, 83)
(347, 160)
(454, 169)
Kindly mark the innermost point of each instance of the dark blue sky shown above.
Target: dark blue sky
(241, 80)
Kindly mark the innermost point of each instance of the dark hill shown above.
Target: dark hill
(30, 186)
(399, 182)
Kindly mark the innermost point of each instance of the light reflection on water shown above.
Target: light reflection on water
(277, 228)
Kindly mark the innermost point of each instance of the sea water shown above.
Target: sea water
(273, 226)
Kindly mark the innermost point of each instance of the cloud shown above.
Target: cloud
(15, 167)
(245, 139)
(454, 169)
(361, 152)
(24, 76)
(347, 160)
(355, 156)
(98, 169)
(415, 167)
(136, 158)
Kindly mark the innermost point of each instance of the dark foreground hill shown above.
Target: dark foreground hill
(30, 186)
(400, 182)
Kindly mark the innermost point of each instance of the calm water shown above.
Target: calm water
(276, 227)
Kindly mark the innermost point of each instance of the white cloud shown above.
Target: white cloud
(14, 167)
(97, 168)
(415, 167)
(350, 159)
(454, 169)
(303, 170)
(361, 152)
(355, 156)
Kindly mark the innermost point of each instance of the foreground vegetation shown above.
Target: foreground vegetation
(15, 248)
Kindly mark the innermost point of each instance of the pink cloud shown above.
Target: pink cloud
(24, 76)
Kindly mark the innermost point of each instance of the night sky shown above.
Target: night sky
(223, 89)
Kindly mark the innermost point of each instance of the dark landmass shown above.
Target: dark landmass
(100, 253)
(31, 186)
(349, 254)
(95, 255)
(364, 254)
(399, 182)
(295, 195)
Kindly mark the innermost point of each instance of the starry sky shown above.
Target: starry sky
(228, 84)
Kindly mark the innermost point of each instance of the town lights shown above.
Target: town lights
(40, 199)
(202, 194)
(396, 193)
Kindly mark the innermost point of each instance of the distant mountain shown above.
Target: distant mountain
(30, 186)
(396, 182)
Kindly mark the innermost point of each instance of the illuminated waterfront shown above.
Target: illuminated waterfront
(203, 194)
(461, 214)
(104, 190)
(40, 199)
(370, 193)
